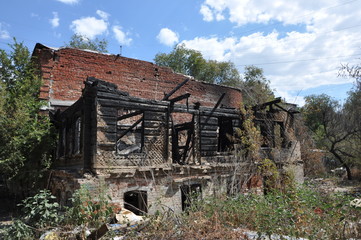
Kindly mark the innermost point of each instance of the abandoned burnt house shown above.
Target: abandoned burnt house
(152, 135)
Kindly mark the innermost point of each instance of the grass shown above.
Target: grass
(300, 213)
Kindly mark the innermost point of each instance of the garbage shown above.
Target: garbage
(50, 235)
(355, 203)
(128, 218)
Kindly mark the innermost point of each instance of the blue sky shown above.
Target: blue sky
(300, 44)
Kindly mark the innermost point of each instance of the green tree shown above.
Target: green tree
(83, 42)
(192, 62)
(255, 86)
(333, 129)
(25, 133)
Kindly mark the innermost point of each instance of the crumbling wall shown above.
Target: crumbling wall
(63, 72)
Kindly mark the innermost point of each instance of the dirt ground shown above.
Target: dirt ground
(337, 185)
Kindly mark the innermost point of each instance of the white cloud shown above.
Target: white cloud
(168, 37)
(207, 13)
(4, 34)
(89, 26)
(319, 36)
(69, 1)
(55, 20)
(103, 15)
(261, 11)
(121, 36)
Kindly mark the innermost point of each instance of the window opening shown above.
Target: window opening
(182, 137)
(62, 141)
(225, 133)
(77, 135)
(267, 133)
(136, 201)
(130, 131)
(279, 134)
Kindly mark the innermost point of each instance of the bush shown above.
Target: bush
(90, 209)
(38, 213)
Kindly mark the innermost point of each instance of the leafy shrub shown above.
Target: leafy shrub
(90, 209)
(41, 210)
(19, 231)
(38, 212)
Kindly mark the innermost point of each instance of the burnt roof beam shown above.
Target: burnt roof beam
(175, 89)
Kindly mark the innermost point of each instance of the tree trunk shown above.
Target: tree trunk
(348, 170)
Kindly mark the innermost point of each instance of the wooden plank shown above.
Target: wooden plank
(130, 128)
(109, 120)
(109, 95)
(205, 133)
(151, 131)
(152, 124)
(209, 127)
(175, 89)
(180, 98)
(111, 137)
(209, 147)
(209, 141)
(108, 129)
(107, 111)
(209, 121)
(132, 114)
(236, 122)
(208, 153)
(154, 116)
(132, 105)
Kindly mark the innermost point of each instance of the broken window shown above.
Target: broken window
(69, 140)
(130, 131)
(136, 201)
(279, 134)
(182, 137)
(225, 133)
(62, 141)
(189, 194)
(267, 133)
(77, 135)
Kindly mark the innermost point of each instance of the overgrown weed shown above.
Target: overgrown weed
(300, 213)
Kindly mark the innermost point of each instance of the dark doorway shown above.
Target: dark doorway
(225, 134)
(189, 193)
(136, 201)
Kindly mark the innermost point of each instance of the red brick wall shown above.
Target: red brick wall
(65, 70)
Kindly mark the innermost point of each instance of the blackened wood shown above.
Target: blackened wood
(107, 111)
(209, 127)
(208, 133)
(209, 141)
(209, 147)
(175, 89)
(132, 105)
(264, 105)
(152, 131)
(129, 115)
(219, 101)
(209, 120)
(208, 153)
(180, 98)
(154, 116)
(130, 128)
(108, 129)
(109, 120)
(152, 124)
(187, 125)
